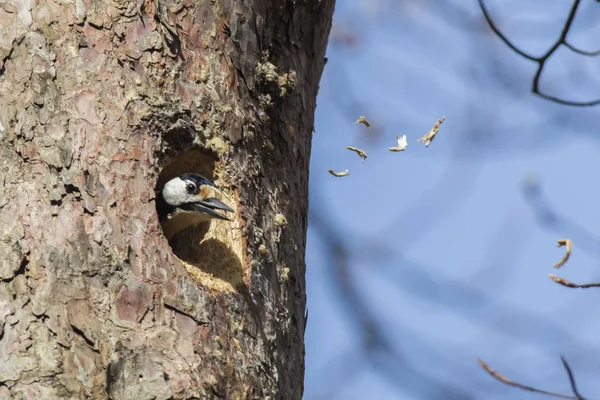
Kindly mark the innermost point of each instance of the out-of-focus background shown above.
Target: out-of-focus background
(423, 261)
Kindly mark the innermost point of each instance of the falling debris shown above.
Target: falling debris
(363, 120)
(402, 144)
(428, 137)
(339, 174)
(569, 244)
(358, 151)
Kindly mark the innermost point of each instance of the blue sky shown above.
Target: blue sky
(445, 248)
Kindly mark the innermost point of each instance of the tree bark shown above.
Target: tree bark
(101, 102)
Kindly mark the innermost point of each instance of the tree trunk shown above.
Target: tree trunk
(101, 103)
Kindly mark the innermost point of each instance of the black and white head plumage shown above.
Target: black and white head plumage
(187, 200)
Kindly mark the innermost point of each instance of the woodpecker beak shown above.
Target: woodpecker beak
(210, 205)
(208, 201)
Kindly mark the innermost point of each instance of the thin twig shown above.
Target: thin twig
(508, 382)
(541, 61)
(571, 379)
(582, 52)
(494, 28)
(570, 284)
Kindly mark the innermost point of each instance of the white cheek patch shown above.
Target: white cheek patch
(175, 192)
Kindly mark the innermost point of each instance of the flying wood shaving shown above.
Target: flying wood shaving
(567, 283)
(363, 120)
(358, 151)
(339, 174)
(569, 244)
(507, 381)
(402, 144)
(428, 137)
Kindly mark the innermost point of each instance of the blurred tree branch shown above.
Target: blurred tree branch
(550, 219)
(376, 348)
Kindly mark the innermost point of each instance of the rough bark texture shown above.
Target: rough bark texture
(99, 101)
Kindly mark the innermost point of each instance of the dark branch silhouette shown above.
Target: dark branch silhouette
(571, 379)
(582, 52)
(541, 60)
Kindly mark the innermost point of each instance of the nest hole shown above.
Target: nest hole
(211, 251)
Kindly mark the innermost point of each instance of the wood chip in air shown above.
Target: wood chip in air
(402, 144)
(358, 151)
(569, 244)
(363, 120)
(339, 174)
(428, 137)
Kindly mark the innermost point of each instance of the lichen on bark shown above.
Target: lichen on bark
(97, 98)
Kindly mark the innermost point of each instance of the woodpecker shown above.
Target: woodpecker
(187, 200)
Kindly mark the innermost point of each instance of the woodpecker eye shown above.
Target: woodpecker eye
(191, 188)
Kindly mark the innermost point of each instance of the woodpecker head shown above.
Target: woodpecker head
(187, 200)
